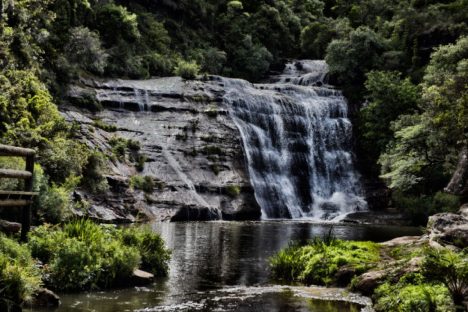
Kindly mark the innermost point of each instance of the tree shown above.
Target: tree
(388, 97)
(350, 58)
(427, 145)
(85, 51)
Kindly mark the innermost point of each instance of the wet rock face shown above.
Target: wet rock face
(192, 151)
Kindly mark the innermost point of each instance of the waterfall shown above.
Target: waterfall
(142, 98)
(297, 142)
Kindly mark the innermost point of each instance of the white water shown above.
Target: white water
(297, 140)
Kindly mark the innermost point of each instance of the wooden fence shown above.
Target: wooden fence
(22, 198)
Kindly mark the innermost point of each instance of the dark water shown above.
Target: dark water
(222, 266)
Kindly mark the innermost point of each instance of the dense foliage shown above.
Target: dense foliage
(438, 282)
(83, 255)
(19, 277)
(402, 64)
(318, 262)
(79, 255)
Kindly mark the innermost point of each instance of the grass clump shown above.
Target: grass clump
(98, 123)
(82, 255)
(19, 277)
(319, 261)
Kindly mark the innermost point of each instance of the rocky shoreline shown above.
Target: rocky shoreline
(444, 231)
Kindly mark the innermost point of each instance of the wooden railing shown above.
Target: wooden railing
(19, 198)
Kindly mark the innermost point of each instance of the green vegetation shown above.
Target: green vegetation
(419, 207)
(187, 70)
(145, 183)
(450, 269)
(154, 255)
(233, 190)
(412, 77)
(436, 280)
(406, 297)
(19, 277)
(83, 255)
(105, 126)
(319, 261)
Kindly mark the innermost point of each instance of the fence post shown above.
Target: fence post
(28, 187)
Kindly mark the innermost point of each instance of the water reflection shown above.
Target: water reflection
(209, 256)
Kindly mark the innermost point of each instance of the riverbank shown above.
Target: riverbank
(215, 265)
(410, 273)
(77, 256)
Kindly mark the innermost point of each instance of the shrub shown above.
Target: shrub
(15, 163)
(62, 158)
(19, 277)
(85, 50)
(84, 255)
(233, 190)
(410, 298)
(133, 145)
(140, 162)
(446, 202)
(53, 203)
(159, 64)
(213, 61)
(187, 70)
(93, 178)
(154, 255)
(87, 100)
(145, 183)
(419, 207)
(119, 147)
(319, 261)
(449, 268)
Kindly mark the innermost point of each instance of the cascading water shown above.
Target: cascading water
(297, 141)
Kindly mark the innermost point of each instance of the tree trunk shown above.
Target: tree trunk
(458, 184)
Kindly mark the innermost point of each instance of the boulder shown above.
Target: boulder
(449, 229)
(345, 275)
(464, 211)
(141, 278)
(456, 236)
(9, 227)
(403, 240)
(369, 281)
(45, 298)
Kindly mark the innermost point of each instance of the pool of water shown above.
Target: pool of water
(223, 266)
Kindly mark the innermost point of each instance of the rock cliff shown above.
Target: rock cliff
(188, 146)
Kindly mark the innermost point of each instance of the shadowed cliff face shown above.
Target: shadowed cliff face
(226, 148)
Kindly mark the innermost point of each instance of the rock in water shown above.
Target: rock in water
(45, 298)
